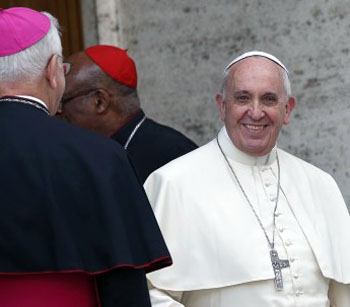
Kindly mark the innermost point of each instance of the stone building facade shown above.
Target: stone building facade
(182, 46)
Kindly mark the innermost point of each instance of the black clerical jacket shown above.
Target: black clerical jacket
(69, 200)
(153, 144)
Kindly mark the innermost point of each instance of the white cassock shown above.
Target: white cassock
(221, 256)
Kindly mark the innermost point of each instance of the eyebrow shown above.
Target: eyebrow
(270, 94)
(244, 92)
(241, 93)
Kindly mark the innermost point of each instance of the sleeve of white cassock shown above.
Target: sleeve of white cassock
(339, 294)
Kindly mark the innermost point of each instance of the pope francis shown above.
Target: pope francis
(248, 224)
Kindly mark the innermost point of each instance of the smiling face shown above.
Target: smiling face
(255, 105)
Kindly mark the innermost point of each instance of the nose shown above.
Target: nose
(256, 110)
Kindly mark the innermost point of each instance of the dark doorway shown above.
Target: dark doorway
(68, 14)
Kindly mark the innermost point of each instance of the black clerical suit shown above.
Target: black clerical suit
(153, 145)
(70, 201)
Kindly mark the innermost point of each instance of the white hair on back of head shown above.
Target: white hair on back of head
(28, 65)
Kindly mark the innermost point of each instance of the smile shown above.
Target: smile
(255, 127)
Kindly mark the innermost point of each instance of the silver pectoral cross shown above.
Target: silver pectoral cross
(277, 265)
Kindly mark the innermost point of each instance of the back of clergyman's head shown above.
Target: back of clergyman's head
(28, 39)
(101, 89)
(115, 62)
(121, 75)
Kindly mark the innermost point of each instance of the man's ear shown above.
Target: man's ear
(102, 101)
(52, 69)
(289, 108)
(220, 102)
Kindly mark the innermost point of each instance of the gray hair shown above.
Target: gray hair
(285, 77)
(127, 99)
(29, 64)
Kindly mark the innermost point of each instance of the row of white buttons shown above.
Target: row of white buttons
(282, 229)
(288, 243)
(298, 292)
(267, 184)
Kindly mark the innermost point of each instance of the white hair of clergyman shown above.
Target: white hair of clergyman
(29, 64)
(285, 74)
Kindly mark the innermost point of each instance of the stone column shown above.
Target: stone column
(109, 22)
(89, 22)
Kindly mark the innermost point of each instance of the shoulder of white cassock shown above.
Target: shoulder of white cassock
(200, 215)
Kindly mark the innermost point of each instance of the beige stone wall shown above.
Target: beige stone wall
(181, 47)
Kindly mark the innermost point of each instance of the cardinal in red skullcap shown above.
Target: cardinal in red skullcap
(101, 95)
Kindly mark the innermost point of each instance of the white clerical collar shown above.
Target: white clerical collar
(239, 156)
(34, 98)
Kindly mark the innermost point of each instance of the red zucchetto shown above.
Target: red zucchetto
(115, 62)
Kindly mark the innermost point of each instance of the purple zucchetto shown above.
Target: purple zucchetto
(20, 28)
